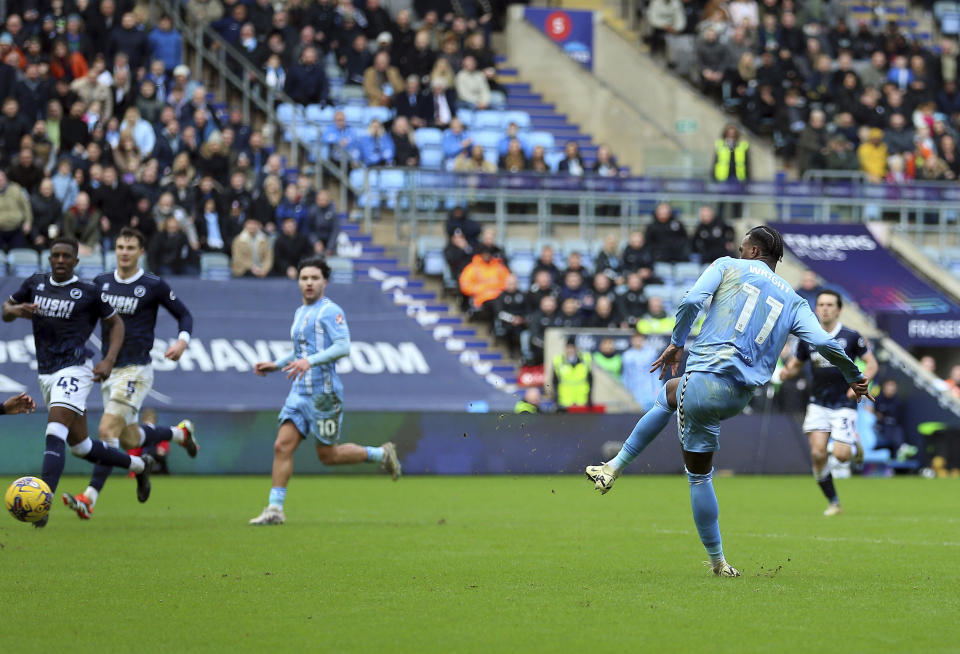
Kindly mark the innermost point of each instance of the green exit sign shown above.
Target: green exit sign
(685, 125)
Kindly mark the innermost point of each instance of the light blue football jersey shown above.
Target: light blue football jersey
(752, 312)
(315, 327)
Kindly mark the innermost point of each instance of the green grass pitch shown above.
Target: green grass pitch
(486, 564)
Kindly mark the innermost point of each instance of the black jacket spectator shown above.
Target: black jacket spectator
(711, 239)
(26, 173)
(307, 83)
(458, 254)
(32, 94)
(169, 253)
(288, 250)
(459, 221)
(324, 224)
(116, 202)
(46, 212)
(631, 305)
(133, 42)
(636, 258)
(413, 106)
(667, 240)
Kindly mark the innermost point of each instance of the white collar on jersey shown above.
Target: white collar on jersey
(836, 330)
(129, 280)
(66, 283)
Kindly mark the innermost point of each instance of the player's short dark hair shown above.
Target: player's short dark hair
(315, 262)
(67, 240)
(768, 240)
(130, 232)
(828, 291)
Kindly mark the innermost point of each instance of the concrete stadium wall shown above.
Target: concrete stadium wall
(442, 443)
(629, 102)
(599, 111)
(665, 99)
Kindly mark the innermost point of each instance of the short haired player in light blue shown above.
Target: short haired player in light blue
(314, 406)
(752, 312)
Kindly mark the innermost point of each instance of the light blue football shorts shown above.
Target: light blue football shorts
(318, 415)
(703, 400)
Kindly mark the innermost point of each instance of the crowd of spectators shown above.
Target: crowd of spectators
(831, 93)
(611, 295)
(102, 126)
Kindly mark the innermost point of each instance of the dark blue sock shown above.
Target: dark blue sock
(99, 476)
(108, 456)
(826, 485)
(54, 459)
(153, 434)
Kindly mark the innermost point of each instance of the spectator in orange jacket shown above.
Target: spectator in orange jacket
(482, 281)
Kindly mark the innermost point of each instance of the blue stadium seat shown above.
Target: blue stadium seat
(431, 158)
(341, 270)
(285, 112)
(215, 266)
(515, 246)
(90, 265)
(426, 136)
(489, 140)
(3, 262)
(545, 139)
(687, 270)
(466, 116)
(433, 263)
(521, 118)
(663, 270)
(315, 114)
(355, 116)
(553, 158)
(377, 113)
(661, 291)
(498, 99)
(353, 95)
(23, 262)
(522, 263)
(488, 120)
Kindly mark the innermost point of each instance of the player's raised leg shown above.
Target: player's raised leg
(648, 428)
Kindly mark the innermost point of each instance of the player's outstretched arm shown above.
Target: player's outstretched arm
(807, 327)
(21, 403)
(178, 310)
(261, 368)
(13, 310)
(102, 370)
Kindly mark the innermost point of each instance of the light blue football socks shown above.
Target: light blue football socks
(706, 513)
(277, 496)
(648, 428)
(375, 454)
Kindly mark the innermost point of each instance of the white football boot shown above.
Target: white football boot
(722, 569)
(272, 515)
(602, 477)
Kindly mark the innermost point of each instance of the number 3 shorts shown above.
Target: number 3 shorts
(125, 390)
(68, 387)
(318, 415)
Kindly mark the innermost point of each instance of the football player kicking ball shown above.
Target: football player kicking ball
(314, 405)
(137, 296)
(64, 311)
(752, 313)
(832, 412)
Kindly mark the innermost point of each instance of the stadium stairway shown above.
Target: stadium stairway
(362, 261)
(544, 116)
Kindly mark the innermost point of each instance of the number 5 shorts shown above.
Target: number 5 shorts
(125, 390)
(318, 415)
(68, 387)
